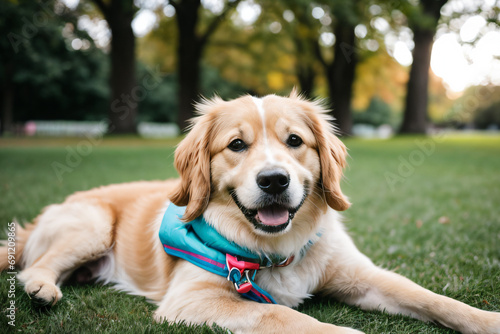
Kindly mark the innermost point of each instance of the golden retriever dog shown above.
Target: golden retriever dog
(262, 175)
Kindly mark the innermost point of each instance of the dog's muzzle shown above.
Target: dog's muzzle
(273, 212)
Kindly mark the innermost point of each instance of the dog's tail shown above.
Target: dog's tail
(11, 249)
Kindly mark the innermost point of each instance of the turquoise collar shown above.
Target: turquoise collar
(199, 243)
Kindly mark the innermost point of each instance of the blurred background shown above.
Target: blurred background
(73, 71)
(90, 67)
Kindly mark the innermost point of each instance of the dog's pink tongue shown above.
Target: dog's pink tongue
(273, 216)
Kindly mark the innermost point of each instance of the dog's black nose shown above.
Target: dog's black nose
(273, 181)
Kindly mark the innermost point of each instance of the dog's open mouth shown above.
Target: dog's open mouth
(272, 218)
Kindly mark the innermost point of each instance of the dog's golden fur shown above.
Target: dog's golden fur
(111, 233)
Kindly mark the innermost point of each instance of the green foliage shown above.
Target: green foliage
(160, 103)
(488, 116)
(49, 79)
(213, 83)
(476, 105)
(377, 113)
(420, 15)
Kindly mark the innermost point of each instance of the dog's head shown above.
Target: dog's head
(259, 162)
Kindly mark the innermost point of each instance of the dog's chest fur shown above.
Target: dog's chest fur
(287, 285)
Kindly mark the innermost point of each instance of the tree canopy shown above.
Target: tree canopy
(42, 76)
(345, 51)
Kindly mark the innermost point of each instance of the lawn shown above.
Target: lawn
(427, 208)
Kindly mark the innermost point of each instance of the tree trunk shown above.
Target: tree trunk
(188, 84)
(304, 69)
(125, 94)
(340, 75)
(189, 52)
(415, 118)
(305, 75)
(415, 115)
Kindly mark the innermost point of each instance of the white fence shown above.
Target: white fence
(158, 130)
(95, 129)
(369, 131)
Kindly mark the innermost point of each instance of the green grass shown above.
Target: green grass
(397, 226)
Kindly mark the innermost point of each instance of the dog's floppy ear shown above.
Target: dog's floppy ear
(192, 161)
(332, 154)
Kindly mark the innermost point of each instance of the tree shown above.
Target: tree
(258, 55)
(43, 77)
(190, 46)
(340, 72)
(423, 21)
(339, 60)
(304, 34)
(123, 107)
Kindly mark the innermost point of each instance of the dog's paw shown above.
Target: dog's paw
(43, 293)
(493, 320)
(482, 322)
(39, 284)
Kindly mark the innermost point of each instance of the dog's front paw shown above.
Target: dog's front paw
(493, 321)
(43, 293)
(40, 286)
(483, 322)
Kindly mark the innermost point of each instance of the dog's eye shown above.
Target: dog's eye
(237, 145)
(294, 141)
